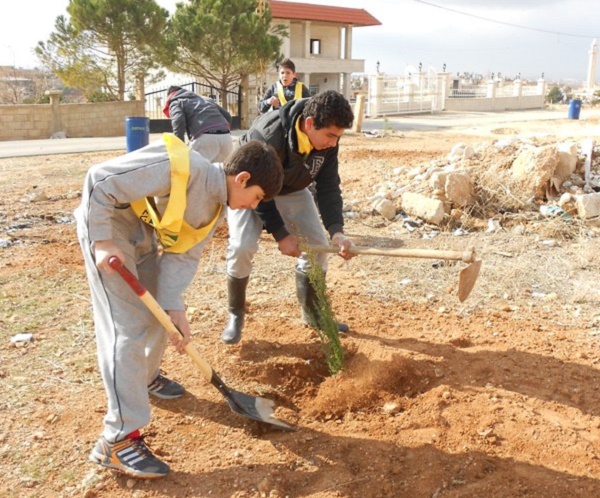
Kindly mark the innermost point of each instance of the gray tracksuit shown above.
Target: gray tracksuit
(130, 340)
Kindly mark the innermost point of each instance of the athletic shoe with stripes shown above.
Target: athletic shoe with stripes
(130, 456)
(164, 388)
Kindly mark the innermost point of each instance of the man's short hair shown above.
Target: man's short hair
(288, 64)
(262, 162)
(173, 88)
(329, 108)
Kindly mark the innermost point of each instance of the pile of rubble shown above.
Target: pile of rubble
(507, 175)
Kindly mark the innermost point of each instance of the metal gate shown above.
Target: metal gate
(155, 101)
(416, 93)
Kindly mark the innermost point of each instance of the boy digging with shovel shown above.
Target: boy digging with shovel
(163, 191)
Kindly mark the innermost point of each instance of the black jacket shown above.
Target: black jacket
(288, 91)
(320, 166)
(194, 115)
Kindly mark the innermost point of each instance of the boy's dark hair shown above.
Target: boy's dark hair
(173, 88)
(329, 108)
(288, 64)
(262, 162)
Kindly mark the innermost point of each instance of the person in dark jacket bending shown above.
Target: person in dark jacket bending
(305, 133)
(284, 90)
(206, 123)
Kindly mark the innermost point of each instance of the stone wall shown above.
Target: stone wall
(495, 104)
(41, 121)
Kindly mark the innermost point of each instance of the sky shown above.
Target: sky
(526, 37)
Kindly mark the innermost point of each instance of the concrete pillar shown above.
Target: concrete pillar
(420, 83)
(591, 74)
(348, 48)
(346, 85)
(491, 89)
(375, 94)
(444, 83)
(541, 86)
(359, 112)
(285, 45)
(55, 103)
(518, 88)
(306, 44)
(409, 90)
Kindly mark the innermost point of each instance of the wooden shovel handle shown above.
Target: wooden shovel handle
(160, 314)
(467, 256)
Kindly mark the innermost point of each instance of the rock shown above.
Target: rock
(438, 180)
(385, 208)
(565, 199)
(567, 163)
(24, 337)
(588, 205)
(459, 188)
(413, 172)
(391, 408)
(426, 208)
(460, 151)
(37, 195)
(532, 169)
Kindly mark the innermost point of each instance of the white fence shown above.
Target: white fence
(430, 92)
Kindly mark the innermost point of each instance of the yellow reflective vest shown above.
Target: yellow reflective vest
(174, 233)
(281, 93)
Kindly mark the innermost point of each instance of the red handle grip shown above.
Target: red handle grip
(116, 264)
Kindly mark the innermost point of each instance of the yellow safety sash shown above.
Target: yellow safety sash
(281, 96)
(174, 233)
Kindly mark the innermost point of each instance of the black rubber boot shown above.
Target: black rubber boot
(236, 290)
(307, 297)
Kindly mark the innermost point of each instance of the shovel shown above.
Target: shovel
(253, 407)
(467, 276)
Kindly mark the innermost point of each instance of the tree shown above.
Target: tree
(23, 86)
(554, 95)
(222, 41)
(106, 44)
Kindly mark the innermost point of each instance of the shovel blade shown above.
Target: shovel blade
(256, 408)
(467, 278)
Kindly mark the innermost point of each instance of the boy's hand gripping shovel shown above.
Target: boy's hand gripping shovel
(253, 407)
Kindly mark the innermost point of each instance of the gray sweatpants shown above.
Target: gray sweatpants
(130, 341)
(215, 148)
(301, 217)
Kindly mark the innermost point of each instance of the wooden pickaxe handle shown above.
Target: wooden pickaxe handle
(467, 256)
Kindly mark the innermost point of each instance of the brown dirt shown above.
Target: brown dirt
(494, 397)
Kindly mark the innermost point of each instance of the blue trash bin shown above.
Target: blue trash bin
(574, 109)
(137, 132)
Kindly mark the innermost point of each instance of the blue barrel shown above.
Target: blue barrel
(574, 109)
(137, 132)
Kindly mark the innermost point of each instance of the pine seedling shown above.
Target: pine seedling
(327, 327)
